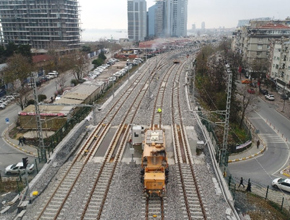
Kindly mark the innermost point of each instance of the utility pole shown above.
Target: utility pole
(223, 151)
(38, 121)
(149, 84)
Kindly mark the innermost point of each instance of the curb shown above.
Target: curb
(246, 158)
(7, 140)
(283, 172)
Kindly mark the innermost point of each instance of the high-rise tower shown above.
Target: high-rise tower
(40, 23)
(137, 19)
(176, 17)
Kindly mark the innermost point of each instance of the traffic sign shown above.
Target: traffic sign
(7, 120)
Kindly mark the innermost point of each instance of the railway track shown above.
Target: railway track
(87, 151)
(96, 195)
(71, 177)
(192, 203)
(130, 115)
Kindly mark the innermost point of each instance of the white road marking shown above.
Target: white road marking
(272, 138)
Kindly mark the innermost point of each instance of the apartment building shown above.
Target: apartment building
(40, 23)
(279, 68)
(137, 20)
(253, 41)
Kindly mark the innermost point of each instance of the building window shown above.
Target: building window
(260, 46)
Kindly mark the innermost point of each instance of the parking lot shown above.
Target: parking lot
(7, 99)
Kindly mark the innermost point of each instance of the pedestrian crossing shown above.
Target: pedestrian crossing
(272, 138)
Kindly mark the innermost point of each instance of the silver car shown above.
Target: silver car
(281, 183)
(18, 168)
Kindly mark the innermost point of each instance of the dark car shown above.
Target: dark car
(264, 91)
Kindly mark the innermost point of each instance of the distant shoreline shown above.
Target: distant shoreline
(96, 34)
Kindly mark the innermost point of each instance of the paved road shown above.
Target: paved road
(267, 166)
(8, 154)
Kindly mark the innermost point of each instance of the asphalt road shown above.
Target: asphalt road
(8, 154)
(265, 168)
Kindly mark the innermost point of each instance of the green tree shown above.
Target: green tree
(86, 49)
(25, 50)
(98, 62)
(10, 49)
(2, 54)
(41, 97)
(102, 56)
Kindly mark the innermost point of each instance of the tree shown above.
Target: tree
(25, 50)
(86, 49)
(102, 55)
(260, 68)
(246, 99)
(10, 49)
(81, 63)
(2, 54)
(98, 62)
(17, 70)
(22, 99)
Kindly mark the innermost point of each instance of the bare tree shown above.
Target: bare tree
(260, 68)
(23, 98)
(80, 63)
(60, 80)
(17, 70)
(246, 99)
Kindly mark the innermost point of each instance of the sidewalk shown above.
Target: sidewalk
(29, 150)
(251, 152)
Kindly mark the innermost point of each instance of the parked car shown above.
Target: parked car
(251, 91)
(270, 97)
(264, 91)
(18, 168)
(53, 73)
(246, 81)
(49, 77)
(281, 183)
(112, 78)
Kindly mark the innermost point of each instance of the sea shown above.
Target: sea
(97, 34)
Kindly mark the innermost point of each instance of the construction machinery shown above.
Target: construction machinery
(154, 172)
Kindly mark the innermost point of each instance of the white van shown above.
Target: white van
(54, 74)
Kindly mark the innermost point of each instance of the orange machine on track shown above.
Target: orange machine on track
(154, 173)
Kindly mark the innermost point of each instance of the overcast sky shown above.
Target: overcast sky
(112, 14)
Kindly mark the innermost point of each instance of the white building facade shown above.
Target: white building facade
(279, 70)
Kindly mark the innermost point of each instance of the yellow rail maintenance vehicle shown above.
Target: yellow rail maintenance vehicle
(154, 172)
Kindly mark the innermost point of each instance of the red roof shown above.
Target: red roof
(274, 26)
(41, 58)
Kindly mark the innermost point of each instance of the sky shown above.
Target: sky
(112, 14)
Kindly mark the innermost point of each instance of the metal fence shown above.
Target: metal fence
(267, 192)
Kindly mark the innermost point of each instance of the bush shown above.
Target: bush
(74, 81)
(98, 62)
(30, 102)
(41, 97)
